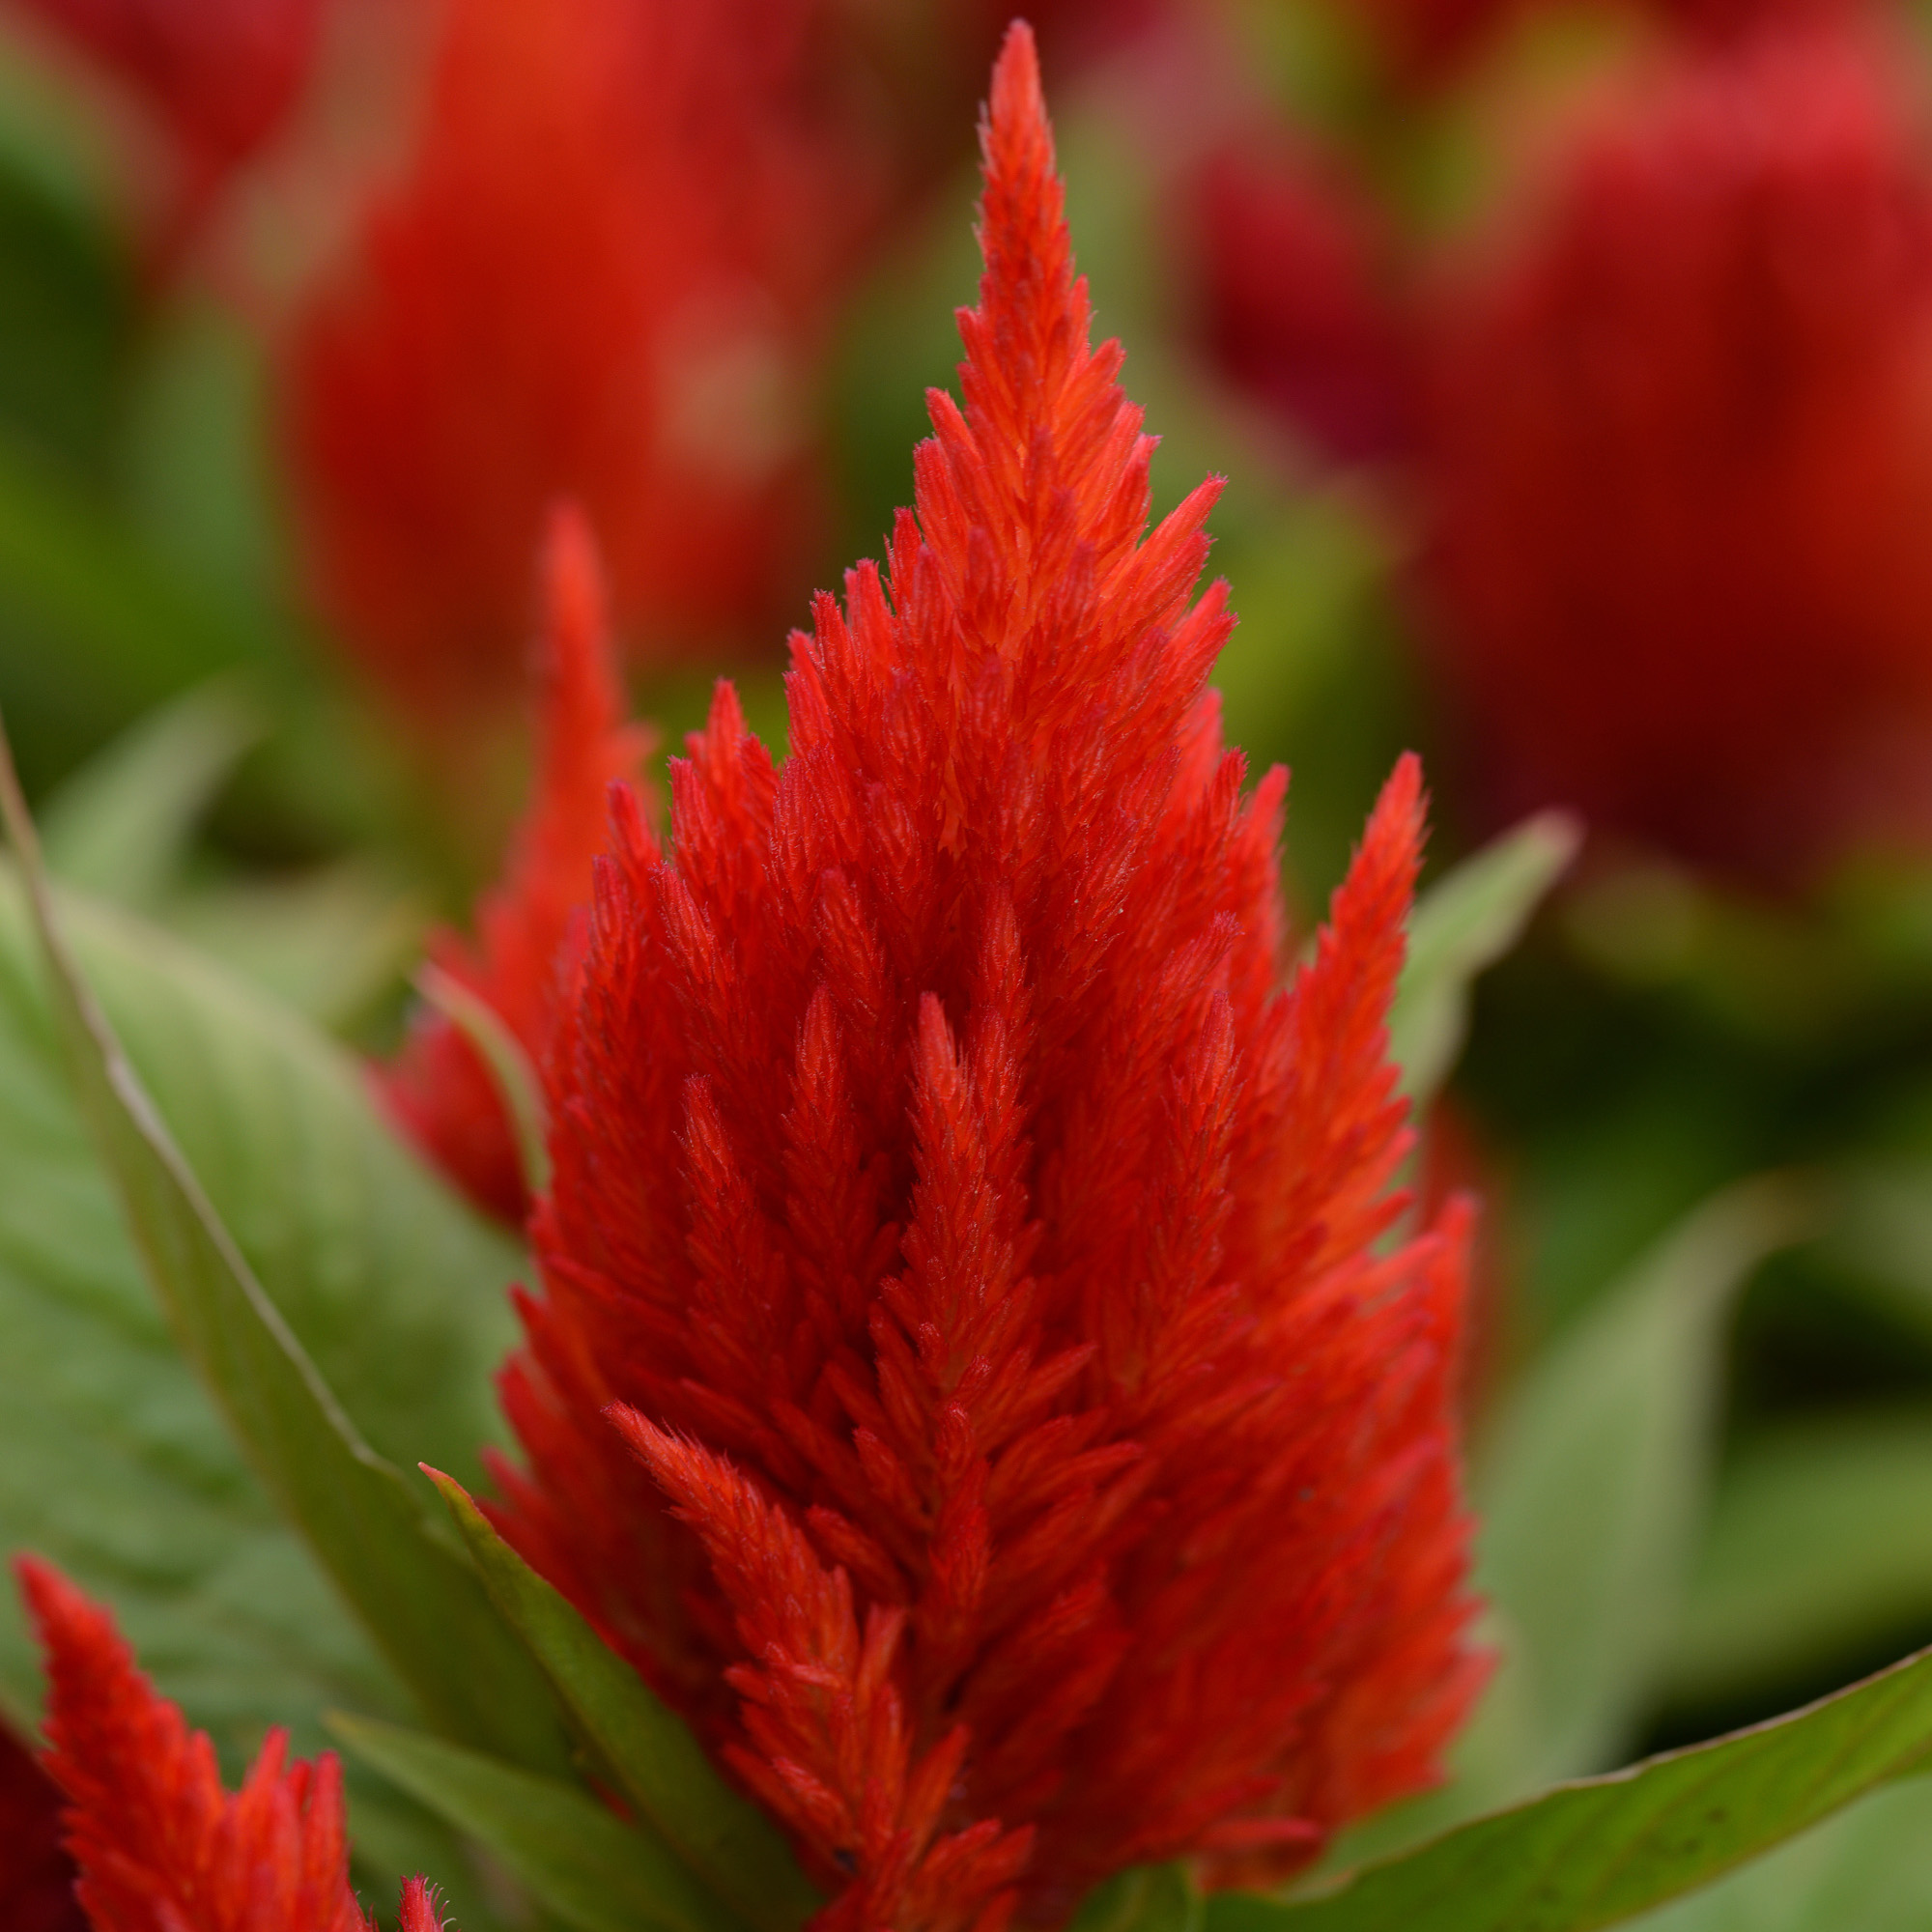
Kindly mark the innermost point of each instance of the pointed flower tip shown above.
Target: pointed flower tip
(420, 1909)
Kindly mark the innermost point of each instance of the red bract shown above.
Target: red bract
(1043, 1463)
(1297, 297)
(603, 276)
(220, 76)
(36, 1874)
(439, 1088)
(1682, 468)
(161, 1847)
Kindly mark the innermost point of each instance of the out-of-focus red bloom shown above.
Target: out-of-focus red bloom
(1682, 468)
(1296, 298)
(36, 1874)
(1039, 1467)
(439, 1088)
(220, 76)
(1425, 43)
(604, 277)
(161, 1847)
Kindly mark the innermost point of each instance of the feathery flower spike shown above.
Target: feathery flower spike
(972, 1381)
(1678, 453)
(161, 1847)
(437, 1088)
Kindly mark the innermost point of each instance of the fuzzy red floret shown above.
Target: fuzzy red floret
(523, 955)
(1683, 473)
(973, 1380)
(603, 276)
(161, 1846)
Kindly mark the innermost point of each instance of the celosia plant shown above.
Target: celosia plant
(619, 225)
(977, 1381)
(439, 1088)
(160, 1845)
(1680, 472)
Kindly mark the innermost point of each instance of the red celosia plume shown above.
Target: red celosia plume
(603, 276)
(220, 76)
(439, 1088)
(1681, 463)
(975, 1381)
(161, 1846)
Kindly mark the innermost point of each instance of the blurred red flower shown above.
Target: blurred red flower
(218, 76)
(603, 276)
(1296, 295)
(161, 1847)
(1426, 43)
(1030, 1458)
(1681, 467)
(524, 956)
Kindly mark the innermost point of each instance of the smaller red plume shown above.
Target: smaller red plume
(159, 1844)
(220, 76)
(1297, 303)
(1678, 452)
(439, 1088)
(36, 1874)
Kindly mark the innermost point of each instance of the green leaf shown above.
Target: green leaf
(650, 1755)
(1591, 1488)
(1149, 1898)
(1817, 1547)
(1462, 924)
(1868, 1869)
(574, 1856)
(121, 825)
(419, 1600)
(331, 943)
(396, 1291)
(1602, 1851)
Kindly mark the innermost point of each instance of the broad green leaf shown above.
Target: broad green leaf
(573, 1855)
(1819, 1543)
(121, 827)
(1149, 1898)
(395, 1290)
(333, 944)
(652, 1757)
(1868, 1869)
(1591, 1489)
(1461, 924)
(417, 1598)
(1601, 1851)
(114, 1466)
